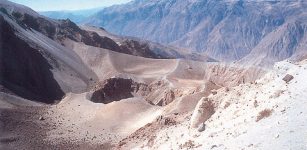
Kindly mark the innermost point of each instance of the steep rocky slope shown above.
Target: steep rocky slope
(24, 70)
(59, 30)
(35, 67)
(225, 30)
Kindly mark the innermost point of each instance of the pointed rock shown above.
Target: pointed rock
(203, 111)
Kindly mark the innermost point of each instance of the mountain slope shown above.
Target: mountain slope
(288, 41)
(59, 30)
(25, 69)
(131, 44)
(225, 30)
(34, 66)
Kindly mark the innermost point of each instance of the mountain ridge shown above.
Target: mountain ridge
(224, 30)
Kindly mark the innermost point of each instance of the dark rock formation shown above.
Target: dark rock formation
(288, 78)
(140, 49)
(25, 71)
(65, 29)
(116, 89)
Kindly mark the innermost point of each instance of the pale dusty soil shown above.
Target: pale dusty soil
(236, 123)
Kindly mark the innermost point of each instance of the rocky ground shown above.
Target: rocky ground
(26, 128)
(22, 128)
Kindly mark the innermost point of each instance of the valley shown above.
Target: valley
(79, 86)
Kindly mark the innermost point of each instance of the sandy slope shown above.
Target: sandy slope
(107, 64)
(98, 123)
(234, 125)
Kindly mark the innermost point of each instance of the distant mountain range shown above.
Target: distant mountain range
(265, 31)
(76, 16)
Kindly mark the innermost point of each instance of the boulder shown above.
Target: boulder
(288, 78)
(201, 127)
(214, 92)
(165, 121)
(202, 112)
(41, 118)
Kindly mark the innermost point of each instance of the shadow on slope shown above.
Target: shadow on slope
(24, 71)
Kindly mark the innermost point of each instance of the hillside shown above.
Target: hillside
(267, 114)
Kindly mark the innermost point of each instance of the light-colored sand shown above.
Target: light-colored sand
(99, 123)
(108, 64)
(234, 125)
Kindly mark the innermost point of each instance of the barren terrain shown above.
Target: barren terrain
(69, 87)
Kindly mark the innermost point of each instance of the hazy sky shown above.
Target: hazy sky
(46, 5)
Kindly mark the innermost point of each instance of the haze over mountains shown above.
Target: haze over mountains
(77, 16)
(225, 30)
(77, 86)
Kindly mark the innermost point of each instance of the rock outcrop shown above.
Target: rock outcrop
(116, 89)
(203, 111)
(288, 78)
